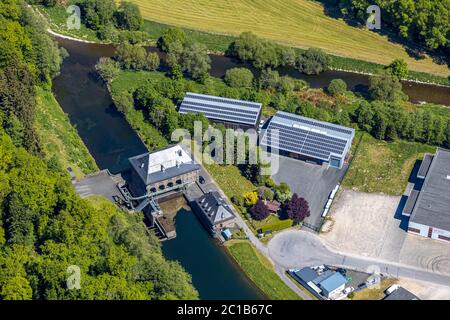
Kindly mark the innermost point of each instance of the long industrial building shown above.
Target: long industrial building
(231, 112)
(308, 139)
(429, 207)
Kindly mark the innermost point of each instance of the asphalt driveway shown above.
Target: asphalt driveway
(310, 181)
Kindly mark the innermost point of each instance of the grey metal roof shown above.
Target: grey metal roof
(410, 203)
(224, 109)
(215, 208)
(433, 203)
(401, 294)
(307, 136)
(425, 165)
(306, 274)
(141, 162)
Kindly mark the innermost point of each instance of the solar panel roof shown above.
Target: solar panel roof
(219, 108)
(317, 139)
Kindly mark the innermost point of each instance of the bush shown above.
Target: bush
(108, 33)
(337, 87)
(259, 211)
(152, 61)
(265, 193)
(129, 16)
(313, 61)
(239, 78)
(171, 36)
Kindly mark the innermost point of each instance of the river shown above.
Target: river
(111, 141)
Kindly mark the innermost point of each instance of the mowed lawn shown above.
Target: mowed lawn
(380, 166)
(299, 23)
(260, 271)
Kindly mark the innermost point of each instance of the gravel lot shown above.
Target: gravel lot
(371, 225)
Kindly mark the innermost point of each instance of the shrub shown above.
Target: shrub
(250, 198)
(259, 211)
(239, 78)
(313, 61)
(265, 193)
(171, 36)
(297, 208)
(337, 87)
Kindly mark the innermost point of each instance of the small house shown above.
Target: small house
(213, 212)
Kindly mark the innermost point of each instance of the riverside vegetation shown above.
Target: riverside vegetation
(219, 43)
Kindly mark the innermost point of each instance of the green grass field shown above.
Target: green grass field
(59, 138)
(380, 166)
(298, 23)
(260, 271)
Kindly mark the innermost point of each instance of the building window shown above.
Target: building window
(443, 237)
(413, 230)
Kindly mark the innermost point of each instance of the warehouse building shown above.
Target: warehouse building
(429, 207)
(231, 112)
(308, 139)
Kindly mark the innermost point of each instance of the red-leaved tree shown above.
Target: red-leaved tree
(259, 211)
(297, 208)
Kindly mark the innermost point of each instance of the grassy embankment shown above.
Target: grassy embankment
(348, 50)
(260, 271)
(380, 166)
(296, 23)
(59, 138)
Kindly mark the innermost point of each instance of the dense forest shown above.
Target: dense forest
(44, 226)
(423, 21)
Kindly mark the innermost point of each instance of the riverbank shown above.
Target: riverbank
(60, 140)
(260, 270)
(219, 43)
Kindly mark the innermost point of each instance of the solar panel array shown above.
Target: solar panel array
(224, 109)
(300, 135)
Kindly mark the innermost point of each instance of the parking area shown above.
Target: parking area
(100, 183)
(371, 225)
(310, 181)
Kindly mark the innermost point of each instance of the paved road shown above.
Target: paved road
(293, 248)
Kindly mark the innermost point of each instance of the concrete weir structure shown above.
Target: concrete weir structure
(429, 207)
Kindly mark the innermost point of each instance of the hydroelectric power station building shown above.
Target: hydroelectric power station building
(308, 139)
(163, 170)
(231, 112)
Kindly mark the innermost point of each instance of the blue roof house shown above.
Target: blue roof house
(333, 284)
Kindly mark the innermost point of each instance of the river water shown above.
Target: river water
(112, 141)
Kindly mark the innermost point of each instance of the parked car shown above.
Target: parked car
(201, 179)
(391, 289)
(342, 271)
(348, 290)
